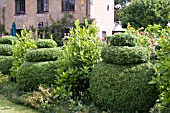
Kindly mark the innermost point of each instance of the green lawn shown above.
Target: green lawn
(9, 107)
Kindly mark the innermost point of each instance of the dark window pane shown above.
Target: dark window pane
(19, 6)
(42, 6)
(68, 5)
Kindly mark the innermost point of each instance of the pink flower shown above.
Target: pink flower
(146, 33)
(137, 32)
(141, 33)
(103, 39)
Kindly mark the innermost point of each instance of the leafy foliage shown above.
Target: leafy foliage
(8, 39)
(5, 64)
(141, 13)
(81, 51)
(44, 54)
(6, 49)
(45, 43)
(123, 88)
(125, 54)
(20, 48)
(31, 74)
(56, 30)
(163, 71)
(123, 39)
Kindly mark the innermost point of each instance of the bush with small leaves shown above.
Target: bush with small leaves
(8, 39)
(5, 64)
(46, 43)
(31, 74)
(123, 39)
(5, 49)
(43, 54)
(123, 88)
(125, 54)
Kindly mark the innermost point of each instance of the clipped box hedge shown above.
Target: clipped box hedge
(124, 54)
(46, 43)
(123, 39)
(5, 64)
(8, 39)
(43, 54)
(31, 74)
(123, 89)
(5, 49)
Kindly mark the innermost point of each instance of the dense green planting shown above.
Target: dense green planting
(5, 49)
(123, 39)
(81, 51)
(123, 88)
(125, 54)
(44, 54)
(31, 74)
(141, 13)
(20, 48)
(45, 43)
(5, 64)
(8, 39)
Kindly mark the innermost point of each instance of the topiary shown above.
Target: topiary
(5, 64)
(5, 49)
(8, 39)
(46, 43)
(31, 74)
(44, 54)
(123, 39)
(125, 54)
(122, 88)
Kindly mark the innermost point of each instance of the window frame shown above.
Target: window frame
(19, 7)
(42, 6)
(69, 5)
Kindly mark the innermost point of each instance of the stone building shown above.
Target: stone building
(37, 13)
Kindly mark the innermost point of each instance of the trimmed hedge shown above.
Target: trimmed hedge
(44, 54)
(123, 88)
(8, 39)
(123, 39)
(5, 64)
(124, 55)
(46, 43)
(31, 74)
(5, 49)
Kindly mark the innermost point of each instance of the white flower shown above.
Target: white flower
(168, 24)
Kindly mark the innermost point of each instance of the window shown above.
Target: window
(68, 5)
(42, 6)
(20, 6)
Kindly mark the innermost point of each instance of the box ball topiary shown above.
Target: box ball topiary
(5, 49)
(124, 54)
(43, 54)
(46, 43)
(123, 89)
(31, 74)
(123, 39)
(5, 64)
(8, 39)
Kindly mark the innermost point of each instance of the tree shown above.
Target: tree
(140, 13)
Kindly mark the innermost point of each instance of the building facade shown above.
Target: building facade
(38, 13)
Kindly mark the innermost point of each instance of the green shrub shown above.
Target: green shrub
(141, 13)
(124, 55)
(8, 39)
(5, 64)
(46, 43)
(123, 39)
(44, 54)
(5, 49)
(31, 74)
(24, 44)
(123, 88)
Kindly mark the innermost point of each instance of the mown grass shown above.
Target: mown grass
(9, 107)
